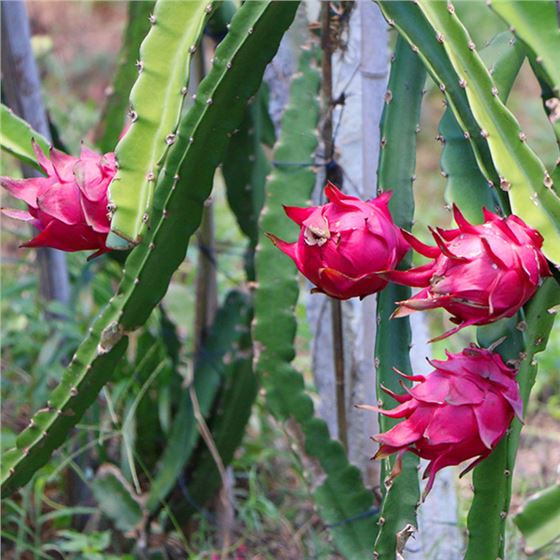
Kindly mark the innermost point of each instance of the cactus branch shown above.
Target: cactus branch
(184, 183)
(397, 163)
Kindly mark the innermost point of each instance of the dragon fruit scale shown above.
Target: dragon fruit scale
(345, 243)
(69, 205)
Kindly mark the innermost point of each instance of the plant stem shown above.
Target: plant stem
(328, 147)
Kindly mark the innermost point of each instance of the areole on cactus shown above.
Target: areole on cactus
(460, 411)
(479, 273)
(344, 244)
(69, 205)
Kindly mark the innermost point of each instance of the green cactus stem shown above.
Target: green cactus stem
(492, 479)
(397, 164)
(184, 183)
(16, 137)
(113, 117)
(522, 174)
(465, 185)
(156, 100)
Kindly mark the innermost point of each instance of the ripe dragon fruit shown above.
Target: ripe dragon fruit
(458, 412)
(69, 205)
(344, 244)
(479, 273)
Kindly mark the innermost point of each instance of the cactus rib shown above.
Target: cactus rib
(342, 499)
(239, 63)
(397, 164)
(522, 174)
(113, 117)
(156, 100)
(16, 137)
(466, 186)
(245, 168)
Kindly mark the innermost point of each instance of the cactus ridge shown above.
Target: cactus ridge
(538, 27)
(236, 74)
(245, 168)
(113, 117)
(526, 335)
(397, 163)
(466, 186)
(16, 137)
(156, 100)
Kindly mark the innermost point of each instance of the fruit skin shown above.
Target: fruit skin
(460, 411)
(69, 206)
(479, 273)
(344, 244)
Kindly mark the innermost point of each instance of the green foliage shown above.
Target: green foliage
(396, 170)
(156, 100)
(16, 137)
(236, 74)
(539, 518)
(114, 113)
(230, 414)
(221, 361)
(90, 546)
(116, 498)
(342, 500)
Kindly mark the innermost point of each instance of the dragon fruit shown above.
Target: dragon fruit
(69, 206)
(344, 244)
(479, 273)
(458, 412)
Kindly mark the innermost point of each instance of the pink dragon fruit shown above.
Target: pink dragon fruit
(479, 273)
(458, 412)
(345, 243)
(69, 205)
